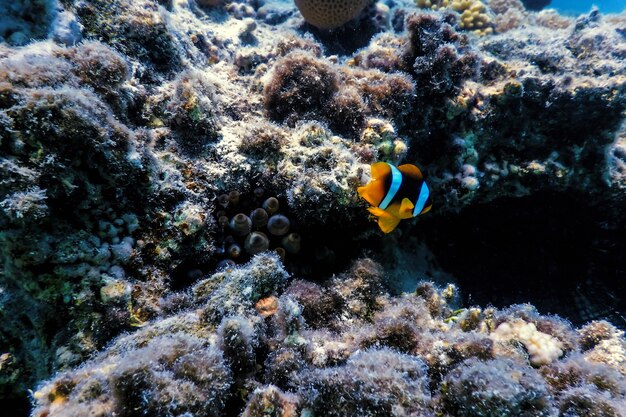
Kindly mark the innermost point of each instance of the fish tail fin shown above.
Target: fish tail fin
(386, 221)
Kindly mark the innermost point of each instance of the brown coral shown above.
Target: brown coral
(299, 84)
(330, 14)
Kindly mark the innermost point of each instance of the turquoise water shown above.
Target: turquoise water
(582, 6)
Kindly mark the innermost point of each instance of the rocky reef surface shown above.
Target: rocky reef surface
(180, 231)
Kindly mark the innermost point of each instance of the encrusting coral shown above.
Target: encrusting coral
(510, 14)
(360, 388)
(303, 87)
(541, 347)
(173, 374)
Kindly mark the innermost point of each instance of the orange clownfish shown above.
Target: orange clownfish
(396, 193)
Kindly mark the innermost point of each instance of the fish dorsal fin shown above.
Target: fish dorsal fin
(406, 209)
(379, 170)
(411, 171)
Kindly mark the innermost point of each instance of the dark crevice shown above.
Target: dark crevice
(555, 251)
(19, 407)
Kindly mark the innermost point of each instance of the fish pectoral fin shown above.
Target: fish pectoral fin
(377, 212)
(388, 223)
(406, 209)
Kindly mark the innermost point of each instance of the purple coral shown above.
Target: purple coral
(588, 401)
(372, 383)
(319, 305)
(238, 339)
(172, 375)
(495, 388)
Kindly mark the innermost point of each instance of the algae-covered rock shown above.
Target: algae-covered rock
(180, 232)
(401, 359)
(494, 388)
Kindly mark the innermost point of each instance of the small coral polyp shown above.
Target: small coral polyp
(241, 236)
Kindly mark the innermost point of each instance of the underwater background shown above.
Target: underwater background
(581, 6)
(218, 208)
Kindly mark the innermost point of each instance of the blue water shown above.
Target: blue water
(582, 6)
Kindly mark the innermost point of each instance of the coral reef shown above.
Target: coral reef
(365, 353)
(56, 265)
(466, 391)
(303, 87)
(188, 106)
(445, 61)
(542, 348)
(137, 29)
(473, 89)
(510, 14)
(180, 232)
(173, 374)
(361, 388)
(243, 288)
(271, 401)
(300, 84)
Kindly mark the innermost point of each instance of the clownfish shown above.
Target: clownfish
(396, 193)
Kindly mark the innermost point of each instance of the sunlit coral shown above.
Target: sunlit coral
(475, 16)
